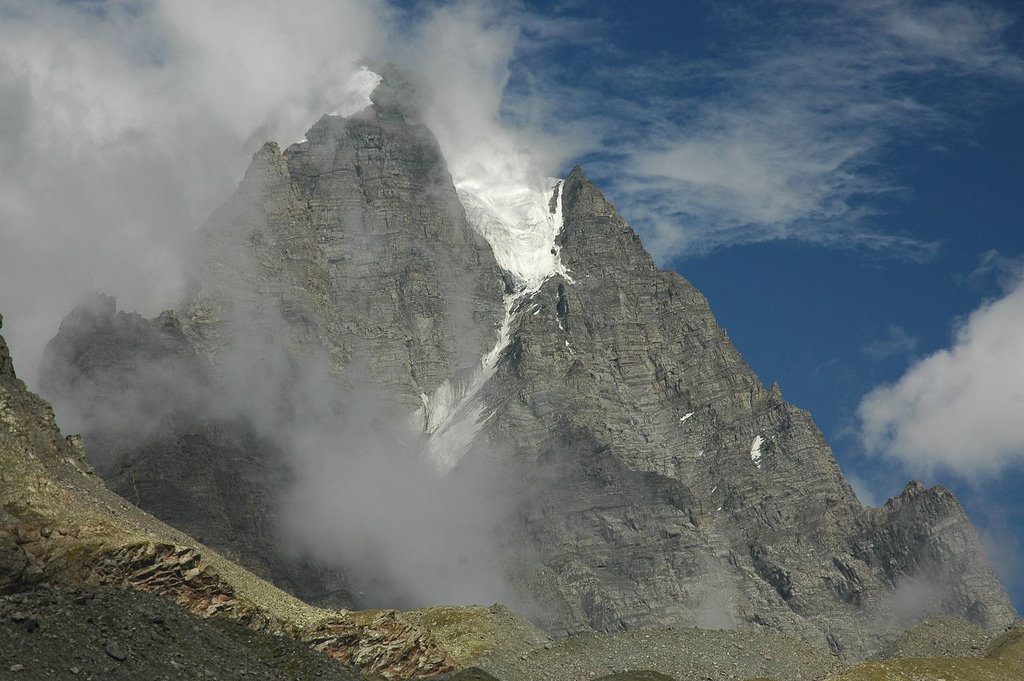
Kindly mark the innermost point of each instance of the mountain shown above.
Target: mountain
(507, 391)
(91, 586)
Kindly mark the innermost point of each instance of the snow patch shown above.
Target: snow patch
(354, 95)
(685, 416)
(755, 451)
(451, 416)
(520, 226)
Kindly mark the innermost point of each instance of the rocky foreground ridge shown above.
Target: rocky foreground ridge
(649, 479)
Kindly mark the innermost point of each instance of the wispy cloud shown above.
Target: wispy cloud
(993, 265)
(897, 342)
(126, 123)
(783, 132)
(959, 408)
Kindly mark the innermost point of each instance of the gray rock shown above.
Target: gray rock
(114, 650)
(352, 246)
(354, 243)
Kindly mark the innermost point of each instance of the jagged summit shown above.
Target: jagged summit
(519, 339)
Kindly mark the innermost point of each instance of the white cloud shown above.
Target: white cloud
(959, 408)
(994, 266)
(465, 51)
(963, 35)
(127, 123)
(784, 136)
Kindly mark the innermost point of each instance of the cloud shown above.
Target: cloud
(898, 342)
(127, 123)
(992, 264)
(465, 52)
(124, 124)
(780, 131)
(959, 408)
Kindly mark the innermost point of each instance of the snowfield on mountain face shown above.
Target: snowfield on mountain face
(755, 451)
(356, 92)
(519, 224)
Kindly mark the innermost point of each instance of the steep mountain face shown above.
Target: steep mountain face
(352, 242)
(145, 401)
(675, 489)
(658, 483)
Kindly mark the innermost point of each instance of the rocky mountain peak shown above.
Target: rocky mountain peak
(648, 476)
(594, 238)
(267, 166)
(912, 489)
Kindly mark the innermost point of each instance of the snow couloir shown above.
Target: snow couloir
(521, 224)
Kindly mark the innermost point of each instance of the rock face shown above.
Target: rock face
(352, 242)
(671, 487)
(659, 483)
(144, 402)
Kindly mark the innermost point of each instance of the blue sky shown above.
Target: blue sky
(843, 179)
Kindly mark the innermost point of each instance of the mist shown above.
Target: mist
(366, 498)
(360, 494)
(127, 124)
